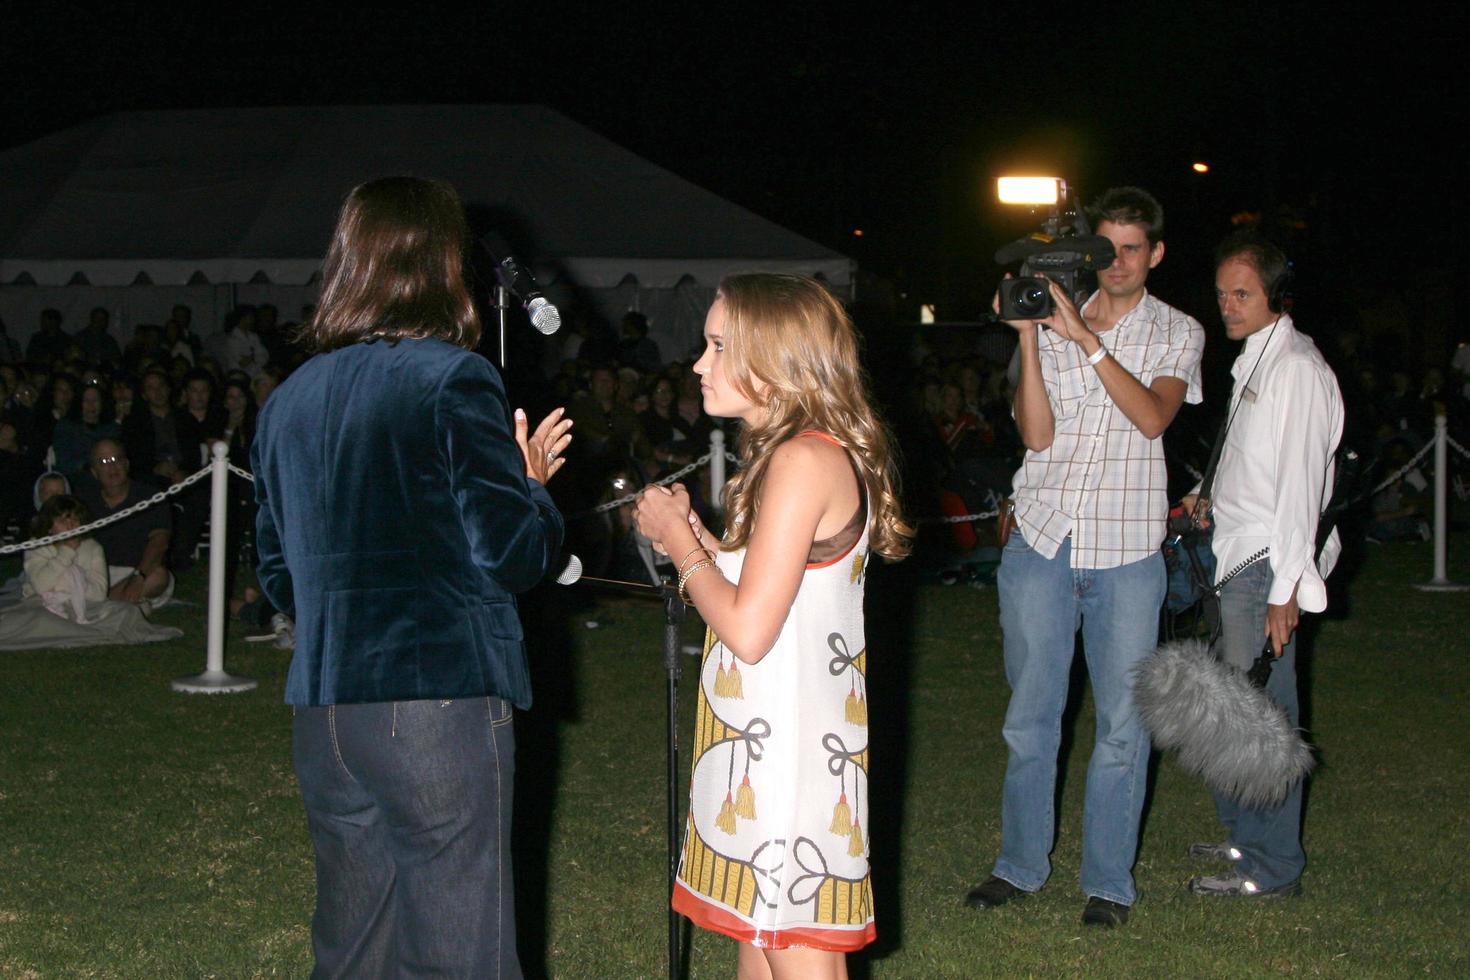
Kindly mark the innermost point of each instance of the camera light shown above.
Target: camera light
(1027, 190)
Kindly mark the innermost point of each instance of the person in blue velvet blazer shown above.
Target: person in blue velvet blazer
(402, 505)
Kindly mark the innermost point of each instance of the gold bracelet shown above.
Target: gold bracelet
(697, 548)
(684, 579)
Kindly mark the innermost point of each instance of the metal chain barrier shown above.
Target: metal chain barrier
(621, 501)
(1456, 446)
(1399, 473)
(628, 499)
(157, 498)
(962, 519)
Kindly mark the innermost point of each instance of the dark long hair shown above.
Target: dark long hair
(61, 505)
(395, 268)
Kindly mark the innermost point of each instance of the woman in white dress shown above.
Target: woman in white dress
(776, 848)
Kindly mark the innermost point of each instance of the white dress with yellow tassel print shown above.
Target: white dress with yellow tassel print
(776, 844)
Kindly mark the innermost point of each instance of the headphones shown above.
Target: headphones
(1279, 294)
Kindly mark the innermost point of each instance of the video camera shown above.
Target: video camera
(1061, 251)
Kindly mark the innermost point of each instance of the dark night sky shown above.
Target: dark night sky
(827, 121)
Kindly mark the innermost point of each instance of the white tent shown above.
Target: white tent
(138, 211)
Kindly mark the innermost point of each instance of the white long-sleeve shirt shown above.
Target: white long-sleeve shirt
(242, 350)
(1275, 472)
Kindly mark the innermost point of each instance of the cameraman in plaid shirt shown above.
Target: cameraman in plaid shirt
(1097, 389)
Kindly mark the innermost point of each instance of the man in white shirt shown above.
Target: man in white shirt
(1274, 479)
(1096, 392)
(241, 348)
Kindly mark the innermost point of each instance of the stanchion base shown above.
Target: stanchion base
(1440, 585)
(213, 682)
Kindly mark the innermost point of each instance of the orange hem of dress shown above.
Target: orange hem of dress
(828, 564)
(707, 916)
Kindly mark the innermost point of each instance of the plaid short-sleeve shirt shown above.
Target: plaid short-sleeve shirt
(1100, 480)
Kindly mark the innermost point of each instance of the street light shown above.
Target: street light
(1200, 167)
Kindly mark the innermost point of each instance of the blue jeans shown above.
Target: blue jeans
(409, 807)
(1270, 840)
(1042, 604)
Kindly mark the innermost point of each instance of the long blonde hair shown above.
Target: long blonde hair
(791, 336)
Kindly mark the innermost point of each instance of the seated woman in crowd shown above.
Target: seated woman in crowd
(690, 407)
(58, 396)
(64, 596)
(90, 419)
(956, 422)
(124, 390)
(269, 378)
(666, 433)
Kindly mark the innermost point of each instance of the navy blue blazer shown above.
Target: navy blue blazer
(396, 521)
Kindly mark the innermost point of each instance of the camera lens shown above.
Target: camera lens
(1031, 300)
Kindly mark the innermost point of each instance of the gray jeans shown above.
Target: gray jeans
(1270, 840)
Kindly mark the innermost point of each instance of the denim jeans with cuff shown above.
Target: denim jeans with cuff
(1042, 604)
(409, 807)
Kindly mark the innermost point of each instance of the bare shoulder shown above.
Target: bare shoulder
(810, 479)
(809, 456)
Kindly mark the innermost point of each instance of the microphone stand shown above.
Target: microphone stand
(501, 305)
(674, 612)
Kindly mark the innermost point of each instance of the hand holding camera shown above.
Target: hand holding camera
(1056, 310)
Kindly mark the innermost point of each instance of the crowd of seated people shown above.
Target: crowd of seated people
(637, 419)
(1391, 412)
(959, 442)
(167, 394)
(111, 425)
(64, 596)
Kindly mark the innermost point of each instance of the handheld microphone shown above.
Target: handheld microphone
(517, 279)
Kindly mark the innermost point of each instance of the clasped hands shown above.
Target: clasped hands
(665, 516)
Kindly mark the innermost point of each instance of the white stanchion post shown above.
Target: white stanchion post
(1441, 582)
(716, 468)
(214, 680)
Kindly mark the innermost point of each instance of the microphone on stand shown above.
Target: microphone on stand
(517, 279)
(571, 573)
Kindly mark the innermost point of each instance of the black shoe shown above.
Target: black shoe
(992, 892)
(1101, 912)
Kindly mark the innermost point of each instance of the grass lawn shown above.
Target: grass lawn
(145, 833)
